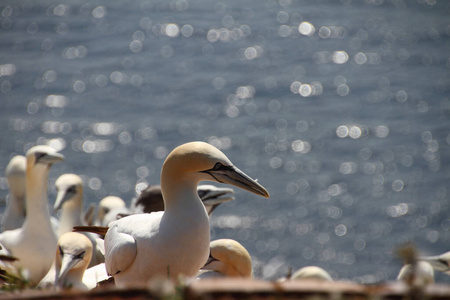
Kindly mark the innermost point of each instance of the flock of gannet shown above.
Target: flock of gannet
(164, 234)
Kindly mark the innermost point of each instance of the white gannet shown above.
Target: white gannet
(108, 209)
(69, 199)
(419, 274)
(14, 214)
(227, 258)
(311, 272)
(439, 263)
(73, 254)
(151, 200)
(33, 244)
(174, 242)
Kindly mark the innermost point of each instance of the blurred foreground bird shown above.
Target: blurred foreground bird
(73, 254)
(311, 272)
(34, 243)
(418, 274)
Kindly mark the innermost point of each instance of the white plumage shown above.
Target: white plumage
(174, 242)
(70, 200)
(34, 243)
(73, 254)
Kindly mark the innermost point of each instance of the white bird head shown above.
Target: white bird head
(68, 187)
(73, 255)
(229, 258)
(197, 161)
(42, 156)
(107, 205)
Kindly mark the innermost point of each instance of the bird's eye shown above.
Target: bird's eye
(218, 166)
(61, 252)
(81, 255)
(444, 262)
(72, 189)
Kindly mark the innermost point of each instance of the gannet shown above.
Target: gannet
(151, 200)
(73, 254)
(419, 274)
(439, 262)
(14, 214)
(312, 272)
(108, 208)
(69, 199)
(174, 242)
(33, 244)
(227, 258)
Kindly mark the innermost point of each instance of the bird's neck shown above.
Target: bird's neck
(36, 196)
(16, 205)
(71, 215)
(16, 201)
(180, 195)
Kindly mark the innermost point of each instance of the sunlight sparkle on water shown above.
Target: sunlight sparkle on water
(306, 28)
(56, 101)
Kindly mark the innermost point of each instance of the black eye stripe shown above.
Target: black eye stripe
(39, 155)
(444, 262)
(219, 167)
(81, 255)
(72, 189)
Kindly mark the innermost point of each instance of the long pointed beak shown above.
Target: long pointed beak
(234, 176)
(61, 197)
(68, 262)
(51, 158)
(213, 195)
(437, 263)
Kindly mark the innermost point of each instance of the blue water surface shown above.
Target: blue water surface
(339, 108)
